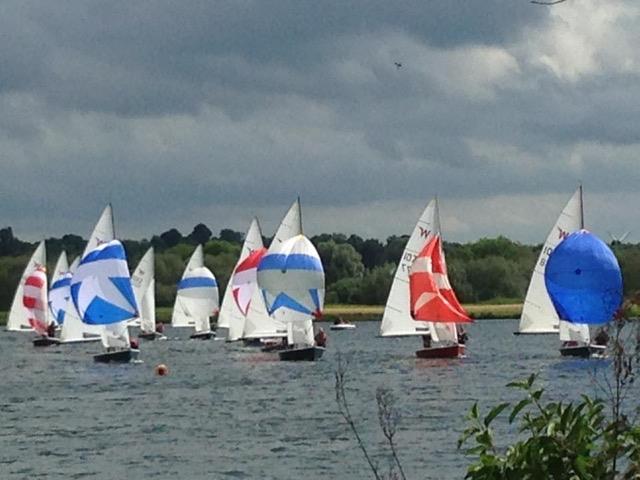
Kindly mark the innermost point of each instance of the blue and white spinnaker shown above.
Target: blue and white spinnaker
(292, 280)
(101, 286)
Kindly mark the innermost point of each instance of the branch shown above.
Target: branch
(343, 406)
(388, 418)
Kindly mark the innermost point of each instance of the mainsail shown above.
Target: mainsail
(142, 280)
(59, 292)
(18, 319)
(538, 314)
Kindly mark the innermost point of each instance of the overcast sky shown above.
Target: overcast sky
(181, 112)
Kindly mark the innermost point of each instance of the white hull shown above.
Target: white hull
(343, 326)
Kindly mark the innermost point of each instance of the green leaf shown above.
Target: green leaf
(521, 404)
(495, 411)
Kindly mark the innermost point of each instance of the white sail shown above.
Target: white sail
(574, 332)
(538, 314)
(74, 264)
(74, 331)
(103, 231)
(142, 277)
(231, 318)
(148, 309)
(258, 323)
(290, 226)
(396, 319)
(18, 320)
(59, 291)
(300, 333)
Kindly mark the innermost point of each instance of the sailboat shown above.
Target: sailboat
(291, 278)
(397, 320)
(74, 330)
(143, 281)
(103, 295)
(538, 315)
(434, 301)
(584, 283)
(18, 320)
(35, 302)
(261, 328)
(196, 297)
(242, 283)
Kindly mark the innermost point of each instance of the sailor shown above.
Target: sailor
(159, 327)
(321, 338)
(426, 340)
(51, 330)
(462, 336)
(601, 338)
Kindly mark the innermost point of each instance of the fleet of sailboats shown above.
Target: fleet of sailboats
(273, 295)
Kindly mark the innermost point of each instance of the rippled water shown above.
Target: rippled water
(228, 412)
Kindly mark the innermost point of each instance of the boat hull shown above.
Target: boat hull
(449, 351)
(307, 354)
(202, 336)
(549, 332)
(45, 342)
(119, 356)
(274, 347)
(151, 336)
(583, 351)
(80, 340)
(342, 326)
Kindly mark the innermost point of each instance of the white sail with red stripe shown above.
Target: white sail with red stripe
(34, 299)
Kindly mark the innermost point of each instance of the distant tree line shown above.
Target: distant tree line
(358, 271)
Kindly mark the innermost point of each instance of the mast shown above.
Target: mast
(300, 216)
(581, 209)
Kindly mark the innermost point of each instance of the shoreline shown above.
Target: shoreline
(373, 313)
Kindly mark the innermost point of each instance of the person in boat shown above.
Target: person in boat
(601, 338)
(462, 336)
(569, 343)
(159, 327)
(134, 343)
(426, 340)
(321, 338)
(51, 330)
(340, 321)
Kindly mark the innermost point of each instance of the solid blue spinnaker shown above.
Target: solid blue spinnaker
(584, 280)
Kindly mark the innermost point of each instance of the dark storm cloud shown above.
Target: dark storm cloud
(179, 110)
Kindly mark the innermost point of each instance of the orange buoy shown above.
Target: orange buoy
(162, 370)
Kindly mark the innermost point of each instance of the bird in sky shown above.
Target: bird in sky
(398, 65)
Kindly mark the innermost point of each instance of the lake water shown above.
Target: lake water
(230, 412)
